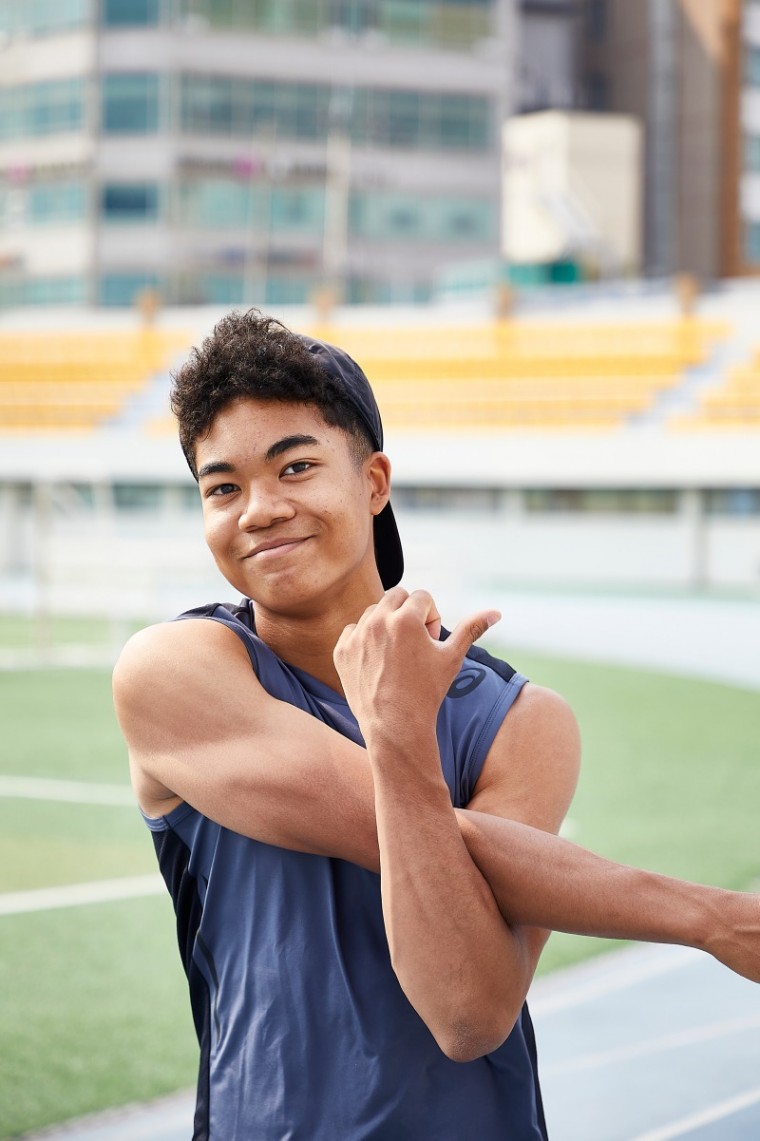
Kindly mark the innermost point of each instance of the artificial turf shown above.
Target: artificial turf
(95, 1012)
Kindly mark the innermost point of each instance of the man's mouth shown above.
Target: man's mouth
(273, 548)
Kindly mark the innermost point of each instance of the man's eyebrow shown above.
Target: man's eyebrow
(286, 443)
(214, 468)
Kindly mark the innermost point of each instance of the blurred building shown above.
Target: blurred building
(572, 200)
(547, 64)
(689, 70)
(227, 150)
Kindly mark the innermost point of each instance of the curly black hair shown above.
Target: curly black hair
(252, 355)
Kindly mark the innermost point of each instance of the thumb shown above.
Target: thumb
(469, 630)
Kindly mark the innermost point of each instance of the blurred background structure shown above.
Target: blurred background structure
(534, 223)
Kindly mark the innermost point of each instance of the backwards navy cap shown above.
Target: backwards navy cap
(356, 388)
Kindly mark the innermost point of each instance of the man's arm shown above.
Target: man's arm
(437, 904)
(200, 728)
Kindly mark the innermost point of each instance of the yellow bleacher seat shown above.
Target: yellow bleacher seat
(77, 380)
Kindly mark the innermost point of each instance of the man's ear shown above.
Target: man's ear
(378, 473)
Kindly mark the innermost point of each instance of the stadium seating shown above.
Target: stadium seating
(77, 381)
(734, 403)
(521, 374)
(504, 375)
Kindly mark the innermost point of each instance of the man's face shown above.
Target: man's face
(288, 514)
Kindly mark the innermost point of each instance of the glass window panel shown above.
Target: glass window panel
(122, 288)
(752, 66)
(219, 105)
(217, 203)
(51, 291)
(607, 501)
(752, 243)
(297, 209)
(752, 153)
(56, 202)
(125, 13)
(130, 202)
(734, 501)
(43, 17)
(221, 289)
(138, 496)
(43, 108)
(130, 103)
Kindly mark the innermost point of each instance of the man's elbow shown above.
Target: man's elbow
(467, 1039)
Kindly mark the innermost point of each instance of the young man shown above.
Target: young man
(286, 749)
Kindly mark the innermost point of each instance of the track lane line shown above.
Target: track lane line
(77, 894)
(708, 1116)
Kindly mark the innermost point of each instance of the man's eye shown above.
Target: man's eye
(297, 467)
(222, 489)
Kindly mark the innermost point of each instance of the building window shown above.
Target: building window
(597, 20)
(54, 203)
(451, 23)
(131, 13)
(219, 105)
(130, 104)
(130, 202)
(138, 496)
(733, 501)
(602, 501)
(43, 17)
(217, 203)
(42, 108)
(597, 91)
(752, 153)
(384, 214)
(123, 288)
(752, 243)
(481, 499)
(296, 209)
(15, 290)
(752, 65)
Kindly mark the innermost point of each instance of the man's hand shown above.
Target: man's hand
(394, 671)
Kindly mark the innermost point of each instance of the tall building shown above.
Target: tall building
(222, 151)
(690, 71)
(546, 67)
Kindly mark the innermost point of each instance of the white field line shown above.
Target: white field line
(71, 791)
(713, 1113)
(611, 973)
(681, 1039)
(76, 894)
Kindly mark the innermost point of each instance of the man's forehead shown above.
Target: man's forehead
(257, 428)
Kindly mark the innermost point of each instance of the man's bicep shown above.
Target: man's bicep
(531, 770)
(200, 728)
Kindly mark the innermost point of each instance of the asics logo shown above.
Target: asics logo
(466, 681)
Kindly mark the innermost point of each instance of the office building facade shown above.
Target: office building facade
(228, 151)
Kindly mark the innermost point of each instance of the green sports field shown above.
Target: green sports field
(93, 996)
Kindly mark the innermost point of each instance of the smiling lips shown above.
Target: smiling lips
(273, 547)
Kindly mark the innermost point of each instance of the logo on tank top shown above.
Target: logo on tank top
(466, 681)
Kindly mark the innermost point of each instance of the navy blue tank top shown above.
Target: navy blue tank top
(305, 1033)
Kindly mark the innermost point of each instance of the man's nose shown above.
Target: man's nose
(263, 507)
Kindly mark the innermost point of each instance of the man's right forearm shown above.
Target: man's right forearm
(541, 880)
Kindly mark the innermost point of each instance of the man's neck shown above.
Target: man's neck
(308, 642)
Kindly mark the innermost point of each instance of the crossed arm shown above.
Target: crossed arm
(478, 887)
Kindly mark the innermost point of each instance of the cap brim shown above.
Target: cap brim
(388, 552)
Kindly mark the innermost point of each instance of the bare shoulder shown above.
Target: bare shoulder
(172, 674)
(532, 767)
(171, 652)
(169, 643)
